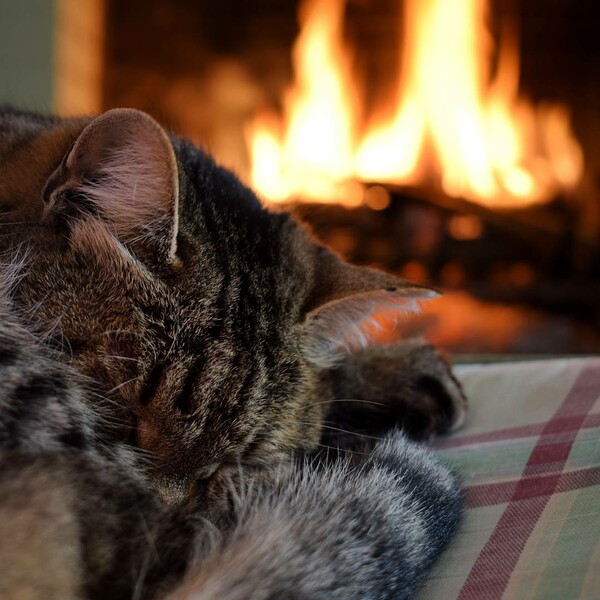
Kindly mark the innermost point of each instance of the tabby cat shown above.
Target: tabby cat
(180, 370)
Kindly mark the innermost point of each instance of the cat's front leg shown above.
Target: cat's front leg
(407, 385)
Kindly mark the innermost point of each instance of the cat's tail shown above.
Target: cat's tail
(347, 531)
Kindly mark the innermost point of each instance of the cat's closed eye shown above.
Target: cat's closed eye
(184, 397)
(151, 384)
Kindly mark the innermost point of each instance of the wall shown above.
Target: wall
(26, 53)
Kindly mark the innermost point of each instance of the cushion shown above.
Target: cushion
(529, 457)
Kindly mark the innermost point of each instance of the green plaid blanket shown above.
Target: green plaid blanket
(529, 456)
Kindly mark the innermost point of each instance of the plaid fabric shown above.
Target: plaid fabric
(529, 456)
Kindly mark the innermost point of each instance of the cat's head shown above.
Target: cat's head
(208, 317)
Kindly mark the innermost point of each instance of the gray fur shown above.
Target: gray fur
(362, 528)
(166, 401)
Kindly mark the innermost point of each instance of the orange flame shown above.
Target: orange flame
(489, 144)
(314, 157)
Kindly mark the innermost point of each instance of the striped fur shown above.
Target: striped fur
(166, 340)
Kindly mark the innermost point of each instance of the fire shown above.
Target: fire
(314, 156)
(487, 143)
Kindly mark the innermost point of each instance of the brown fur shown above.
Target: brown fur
(209, 363)
(166, 339)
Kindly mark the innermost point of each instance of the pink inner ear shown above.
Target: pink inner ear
(136, 184)
(356, 322)
(379, 325)
(123, 162)
(383, 326)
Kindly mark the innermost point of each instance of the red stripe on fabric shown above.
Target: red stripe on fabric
(551, 453)
(514, 433)
(490, 436)
(577, 480)
(492, 569)
(567, 424)
(490, 494)
(535, 487)
(592, 420)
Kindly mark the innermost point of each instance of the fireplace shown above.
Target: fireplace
(456, 142)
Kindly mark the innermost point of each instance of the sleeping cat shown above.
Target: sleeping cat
(180, 370)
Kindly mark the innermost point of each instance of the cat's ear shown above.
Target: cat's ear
(122, 170)
(341, 314)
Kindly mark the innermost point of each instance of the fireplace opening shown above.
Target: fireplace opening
(455, 142)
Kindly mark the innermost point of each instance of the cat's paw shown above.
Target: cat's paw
(433, 391)
(408, 385)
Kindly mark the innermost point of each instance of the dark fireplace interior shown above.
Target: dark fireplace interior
(517, 279)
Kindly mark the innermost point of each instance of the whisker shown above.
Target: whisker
(340, 449)
(31, 312)
(130, 358)
(358, 400)
(341, 430)
(145, 454)
(122, 331)
(117, 387)
(363, 435)
(337, 449)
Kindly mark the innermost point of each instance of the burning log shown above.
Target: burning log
(530, 256)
